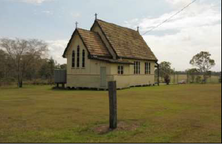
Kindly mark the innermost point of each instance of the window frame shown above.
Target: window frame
(120, 69)
(83, 59)
(73, 58)
(147, 68)
(78, 57)
(136, 67)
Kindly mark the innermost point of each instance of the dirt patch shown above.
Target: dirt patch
(102, 129)
(121, 126)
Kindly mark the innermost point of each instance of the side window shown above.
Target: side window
(147, 68)
(73, 58)
(83, 58)
(120, 70)
(78, 53)
(136, 67)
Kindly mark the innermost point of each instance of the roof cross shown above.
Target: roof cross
(76, 24)
(138, 29)
(96, 15)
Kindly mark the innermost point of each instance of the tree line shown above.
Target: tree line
(202, 64)
(25, 60)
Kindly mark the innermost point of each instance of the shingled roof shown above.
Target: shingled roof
(94, 43)
(127, 43)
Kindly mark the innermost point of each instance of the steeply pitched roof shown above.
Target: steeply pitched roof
(127, 43)
(92, 42)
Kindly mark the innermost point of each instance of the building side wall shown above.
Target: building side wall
(126, 81)
(129, 69)
(87, 81)
(129, 79)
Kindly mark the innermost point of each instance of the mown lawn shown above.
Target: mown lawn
(176, 113)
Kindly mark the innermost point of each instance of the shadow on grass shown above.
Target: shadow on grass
(77, 89)
(55, 88)
(103, 128)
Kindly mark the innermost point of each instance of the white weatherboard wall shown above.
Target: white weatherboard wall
(129, 79)
(89, 76)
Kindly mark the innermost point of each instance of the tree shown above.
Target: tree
(52, 65)
(22, 53)
(165, 71)
(203, 61)
(2, 62)
(6, 70)
(47, 69)
(63, 66)
(192, 73)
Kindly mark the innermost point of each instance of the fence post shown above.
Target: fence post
(158, 74)
(112, 105)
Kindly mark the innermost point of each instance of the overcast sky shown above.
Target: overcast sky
(197, 28)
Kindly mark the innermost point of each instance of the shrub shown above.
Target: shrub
(167, 79)
(198, 79)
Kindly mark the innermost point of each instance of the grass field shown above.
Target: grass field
(176, 113)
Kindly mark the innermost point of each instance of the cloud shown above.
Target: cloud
(197, 28)
(33, 1)
(56, 49)
(178, 3)
(199, 15)
(48, 12)
(179, 48)
(75, 15)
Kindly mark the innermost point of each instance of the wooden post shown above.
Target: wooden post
(188, 79)
(174, 77)
(112, 105)
(177, 78)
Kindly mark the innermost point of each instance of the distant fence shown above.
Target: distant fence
(176, 78)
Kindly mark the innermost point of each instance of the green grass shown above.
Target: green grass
(176, 113)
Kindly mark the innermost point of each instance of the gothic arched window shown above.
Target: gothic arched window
(78, 55)
(73, 58)
(83, 58)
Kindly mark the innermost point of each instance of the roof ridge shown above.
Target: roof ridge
(84, 29)
(117, 25)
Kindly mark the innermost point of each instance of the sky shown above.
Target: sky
(197, 28)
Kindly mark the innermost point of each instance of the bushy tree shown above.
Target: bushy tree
(192, 73)
(2, 63)
(165, 71)
(203, 62)
(47, 69)
(22, 54)
(63, 66)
